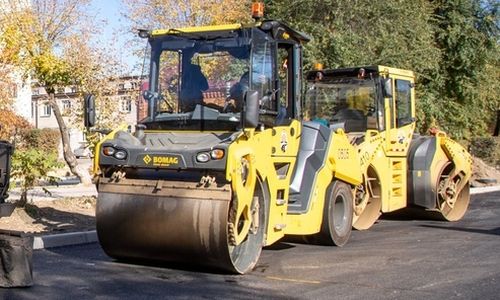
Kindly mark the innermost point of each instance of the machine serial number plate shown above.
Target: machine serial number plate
(157, 160)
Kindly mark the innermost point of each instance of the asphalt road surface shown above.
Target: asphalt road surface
(396, 259)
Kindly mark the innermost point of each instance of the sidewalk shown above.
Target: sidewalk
(56, 192)
(484, 189)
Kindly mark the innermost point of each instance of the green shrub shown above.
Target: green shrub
(45, 139)
(30, 166)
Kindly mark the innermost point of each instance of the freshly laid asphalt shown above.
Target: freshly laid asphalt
(75, 238)
(398, 258)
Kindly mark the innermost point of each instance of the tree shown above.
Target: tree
(451, 45)
(347, 33)
(10, 39)
(7, 85)
(55, 50)
(467, 34)
(12, 125)
(153, 14)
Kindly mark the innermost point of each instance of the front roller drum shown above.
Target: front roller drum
(142, 225)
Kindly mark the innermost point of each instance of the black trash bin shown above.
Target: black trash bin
(16, 248)
(16, 252)
(6, 150)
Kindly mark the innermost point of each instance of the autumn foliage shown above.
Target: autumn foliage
(12, 126)
(153, 14)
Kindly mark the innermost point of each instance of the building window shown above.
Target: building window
(66, 105)
(46, 110)
(74, 89)
(121, 86)
(125, 104)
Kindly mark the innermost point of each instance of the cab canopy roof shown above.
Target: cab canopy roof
(277, 29)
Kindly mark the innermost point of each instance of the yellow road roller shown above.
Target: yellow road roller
(238, 149)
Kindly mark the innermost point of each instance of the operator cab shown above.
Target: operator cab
(350, 99)
(354, 99)
(201, 76)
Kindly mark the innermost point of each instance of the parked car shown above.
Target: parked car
(83, 151)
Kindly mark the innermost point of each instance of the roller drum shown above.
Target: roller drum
(137, 221)
(165, 229)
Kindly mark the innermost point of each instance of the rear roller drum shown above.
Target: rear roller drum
(452, 196)
(368, 202)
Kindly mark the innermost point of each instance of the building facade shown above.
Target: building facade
(123, 101)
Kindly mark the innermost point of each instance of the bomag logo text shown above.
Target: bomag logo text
(165, 160)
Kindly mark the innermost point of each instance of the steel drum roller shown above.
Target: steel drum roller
(135, 220)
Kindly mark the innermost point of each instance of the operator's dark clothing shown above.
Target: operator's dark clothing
(193, 85)
(237, 92)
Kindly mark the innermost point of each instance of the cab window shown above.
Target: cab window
(262, 72)
(403, 103)
(285, 72)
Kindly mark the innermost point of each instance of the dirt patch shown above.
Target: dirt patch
(51, 217)
(483, 174)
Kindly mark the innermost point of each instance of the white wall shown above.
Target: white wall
(22, 103)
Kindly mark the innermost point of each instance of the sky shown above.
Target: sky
(110, 11)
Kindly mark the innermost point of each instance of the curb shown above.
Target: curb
(484, 189)
(64, 239)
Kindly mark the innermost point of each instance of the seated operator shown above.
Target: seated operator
(234, 103)
(194, 83)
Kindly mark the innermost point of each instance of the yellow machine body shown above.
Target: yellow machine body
(200, 183)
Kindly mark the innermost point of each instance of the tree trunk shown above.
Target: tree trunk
(68, 154)
(23, 200)
(497, 127)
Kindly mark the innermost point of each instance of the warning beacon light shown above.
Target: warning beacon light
(257, 10)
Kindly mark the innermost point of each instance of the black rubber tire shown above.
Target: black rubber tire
(337, 215)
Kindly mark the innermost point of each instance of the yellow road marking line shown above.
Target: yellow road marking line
(294, 280)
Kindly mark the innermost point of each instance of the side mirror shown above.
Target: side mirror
(251, 109)
(387, 87)
(147, 95)
(89, 110)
